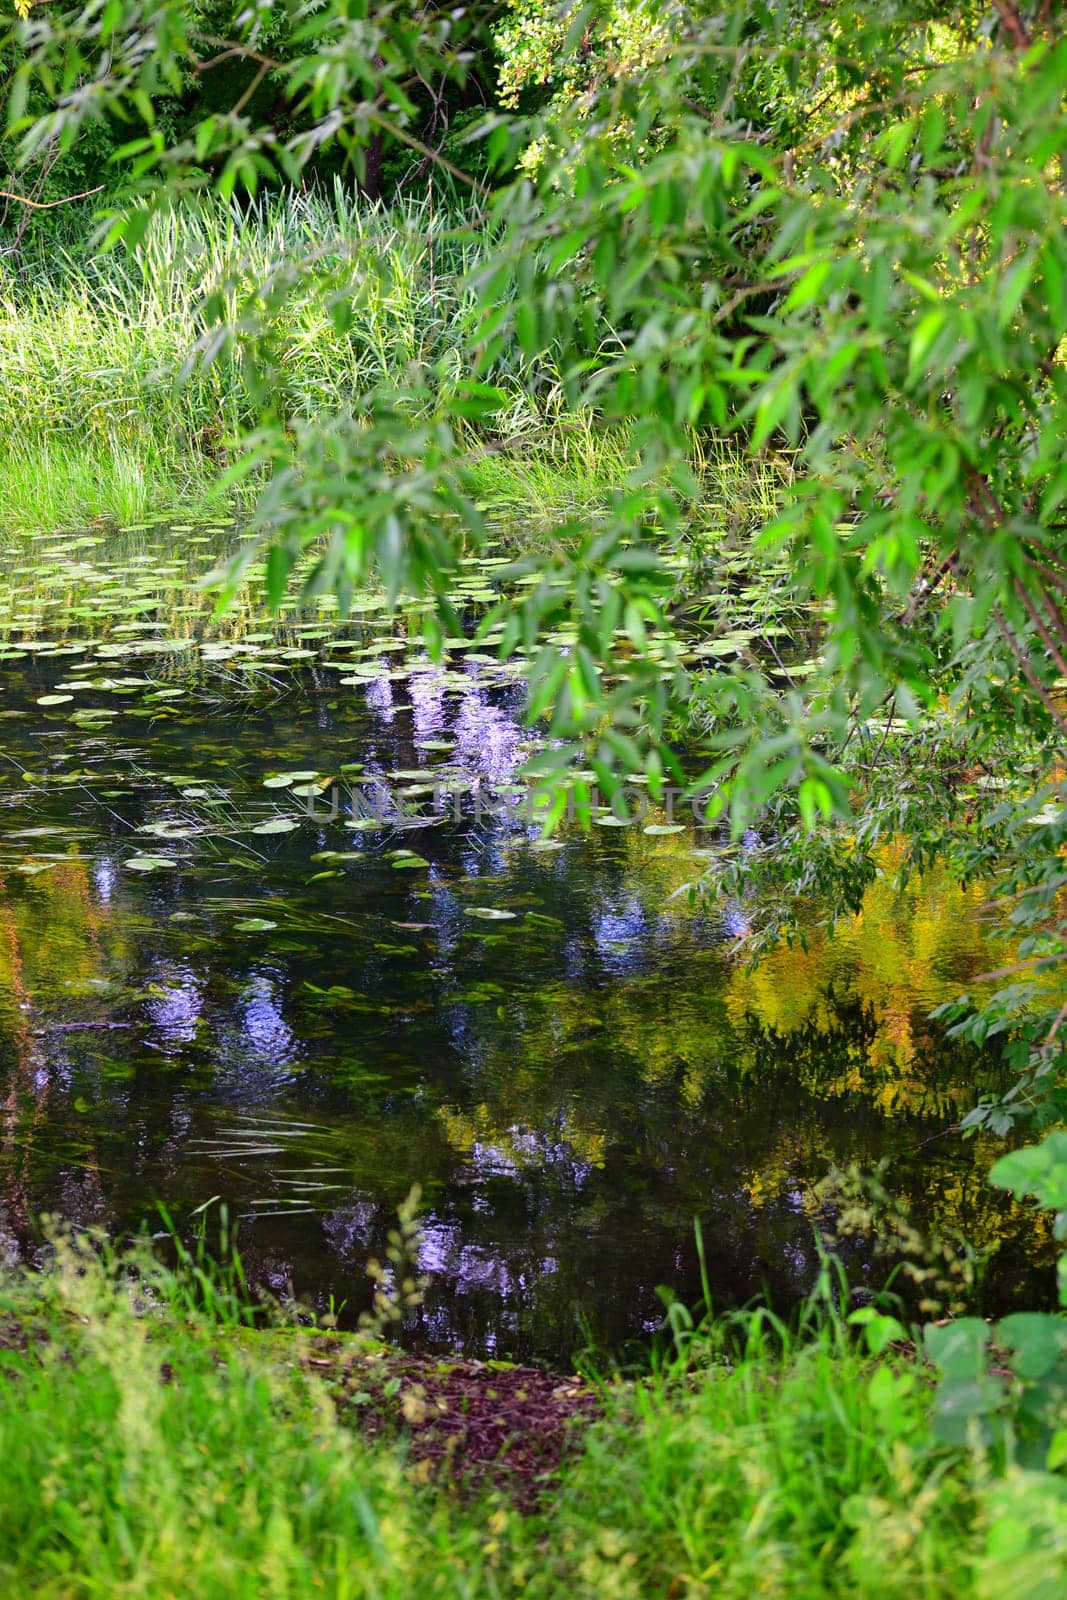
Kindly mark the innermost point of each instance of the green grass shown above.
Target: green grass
(55, 483)
(148, 1448)
(100, 344)
(106, 410)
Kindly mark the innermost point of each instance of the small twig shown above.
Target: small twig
(48, 205)
(943, 1134)
(1050, 1037)
(257, 79)
(1047, 639)
(1058, 582)
(926, 589)
(1012, 24)
(1021, 966)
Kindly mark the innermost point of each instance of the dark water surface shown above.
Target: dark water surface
(241, 1014)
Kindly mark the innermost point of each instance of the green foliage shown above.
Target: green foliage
(100, 416)
(1040, 1171)
(99, 345)
(555, 55)
(873, 278)
(697, 281)
(1023, 1395)
(209, 86)
(54, 484)
(154, 1444)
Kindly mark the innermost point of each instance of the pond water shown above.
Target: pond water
(209, 995)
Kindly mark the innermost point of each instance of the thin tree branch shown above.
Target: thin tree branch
(926, 588)
(1013, 24)
(48, 205)
(1035, 682)
(1050, 643)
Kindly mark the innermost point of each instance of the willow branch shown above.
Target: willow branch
(1013, 24)
(1054, 614)
(1035, 682)
(1053, 610)
(926, 588)
(1057, 579)
(1049, 642)
(1050, 1037)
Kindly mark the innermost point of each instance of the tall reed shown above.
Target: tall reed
(109, 406)
(99, 346)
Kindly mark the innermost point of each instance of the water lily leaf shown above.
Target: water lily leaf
(254, 925)
(285, 780)
(1047, 815)
(277, 825)
(658, 828)
(490, 913)
(150, 863)
(54, 699)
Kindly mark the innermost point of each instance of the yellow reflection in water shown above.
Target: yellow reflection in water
(904, 953)
(50, 930)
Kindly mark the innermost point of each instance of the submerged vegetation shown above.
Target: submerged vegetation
(534, 643)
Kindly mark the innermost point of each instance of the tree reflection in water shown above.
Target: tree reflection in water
(571, 1086)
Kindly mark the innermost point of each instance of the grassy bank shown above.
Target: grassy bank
(149, 1449)
(108, 411)
(52, 484)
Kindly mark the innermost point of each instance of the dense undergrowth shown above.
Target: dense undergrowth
(108, 411)
(105, 408)
(154, 1446)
